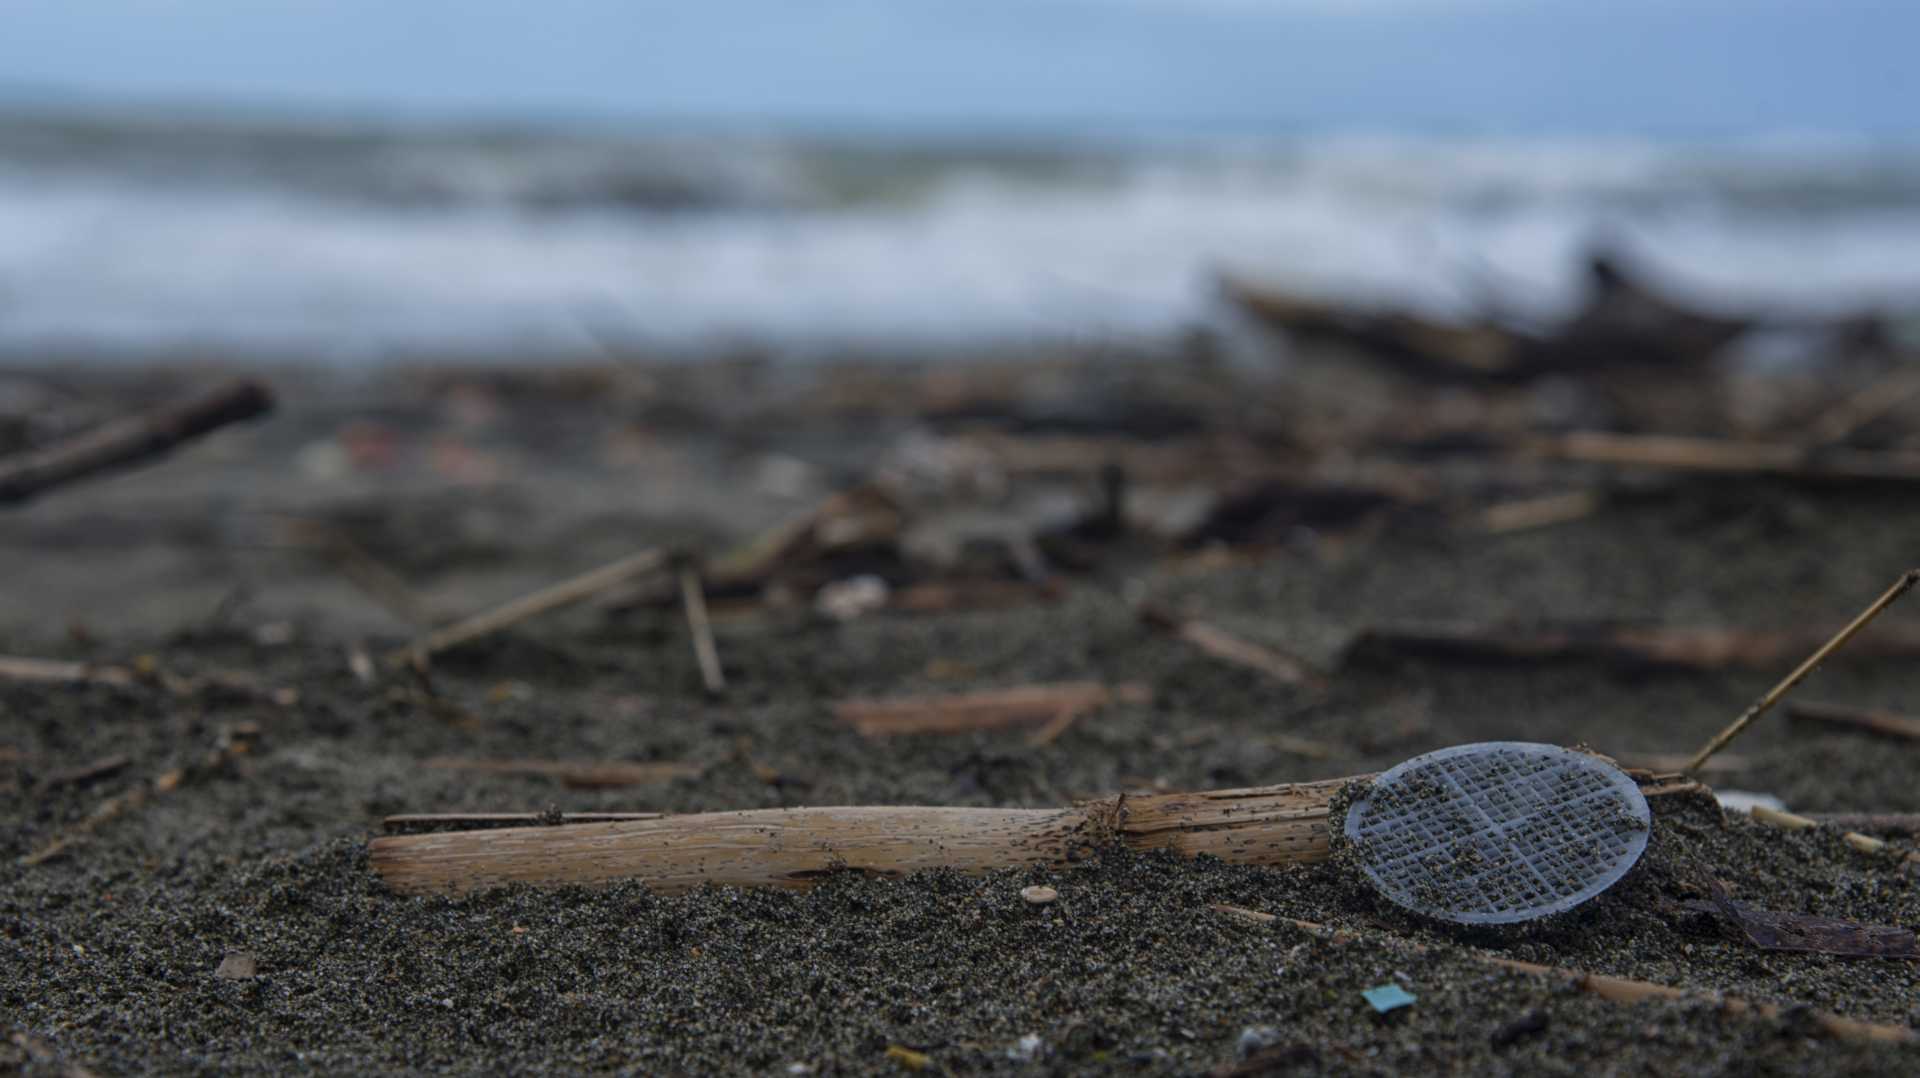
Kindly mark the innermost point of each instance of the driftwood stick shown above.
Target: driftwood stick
(1626, 990)
(1761, 706)
(794, 848)
(582, 774)
(61, 672)
(1545, 511)
(424, 821)
(693, 598)
(987, 709)
(1657, 646)
(1722, 456)
(127, 441)
(1862, 407)
(564, 594)
(1857, 720)
(1220, 644)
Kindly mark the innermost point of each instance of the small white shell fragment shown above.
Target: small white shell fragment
(1038, 895)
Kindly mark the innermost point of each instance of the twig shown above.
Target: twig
(1228, 648)
(235, 741)
(1542, 512)
(1789, 821)
(126, 441)
(1622, 989)
(1856, 720)
(1899, 824)
(1726, 457)
(564, 594)
(694, 601)
(582, 774)
(989, 709)
(422, 821)
(145, 672)
(86, 773)
(1723, 738)
(1863, 406)
(1674, 647)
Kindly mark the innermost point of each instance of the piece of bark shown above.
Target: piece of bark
(1778, 930)
(1624, 990)
(1648, 646)
(579, 774)
(1228, 648)
(128, 441)
(555, 597)
(1872, 721)
(987, 709)
(454, 821)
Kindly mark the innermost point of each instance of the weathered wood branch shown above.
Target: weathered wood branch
(794, 848)
(566, 593)
(1859, 720)
(129, 440)
(985, 709)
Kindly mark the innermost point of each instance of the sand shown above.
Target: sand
(110, 952)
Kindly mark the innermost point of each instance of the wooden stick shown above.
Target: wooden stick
(1899, 824)
(1863, 406)
(548, 599)
(130, 440)
(1228, 648)
(582, 774)
(1856, 720)
(1788, 821)
(55, 671)
(1675, 647)
(794, 848)
(705, 652)
(1723, 738)
(21, 668)
(988, 709)
(1725, 457)
(1542, 512)
(1622, 989)
(420, 821)
(86, 773)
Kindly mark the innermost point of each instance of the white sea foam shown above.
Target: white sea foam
(360, 246)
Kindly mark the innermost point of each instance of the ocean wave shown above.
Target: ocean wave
(355, 241)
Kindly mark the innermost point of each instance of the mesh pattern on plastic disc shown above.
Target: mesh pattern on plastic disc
(1498, 832)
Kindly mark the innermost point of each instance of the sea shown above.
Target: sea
(350, 240)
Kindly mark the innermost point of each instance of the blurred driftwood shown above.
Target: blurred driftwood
(127, 441)
(1651, 646)
(987, 709)
(1856, 720)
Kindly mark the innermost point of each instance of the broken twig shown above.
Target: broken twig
(988, 709)
(127, 441)
(580, 774)
(548, 599)
(428, 821)
(1761, 706)
(1228, 648)
(1857, 720)
(705, 652)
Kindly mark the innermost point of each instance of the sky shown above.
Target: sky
(1629, 66)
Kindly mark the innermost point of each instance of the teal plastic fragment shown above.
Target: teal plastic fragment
(1388, 997)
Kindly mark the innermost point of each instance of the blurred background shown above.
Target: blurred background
(349, 181)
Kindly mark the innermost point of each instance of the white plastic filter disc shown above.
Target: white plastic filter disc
(1498, 832)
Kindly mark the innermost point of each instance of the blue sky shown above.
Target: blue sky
(1679, 66)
